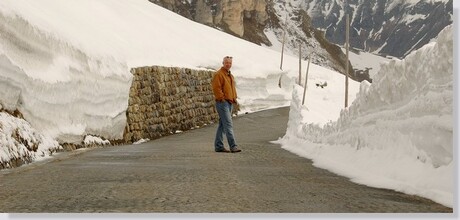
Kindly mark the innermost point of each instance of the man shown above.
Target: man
(223, 86)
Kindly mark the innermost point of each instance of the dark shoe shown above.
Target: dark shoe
(235, 150)
(223, 150)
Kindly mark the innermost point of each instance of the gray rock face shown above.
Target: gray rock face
(229, 15)
(386, 27)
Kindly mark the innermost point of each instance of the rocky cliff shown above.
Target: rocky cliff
(237, 17)
(253, 19)
(385, 27)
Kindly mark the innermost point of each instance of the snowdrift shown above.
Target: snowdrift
(398, 132)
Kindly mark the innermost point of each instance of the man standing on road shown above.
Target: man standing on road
(223, 86)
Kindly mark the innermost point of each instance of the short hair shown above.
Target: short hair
(227, 58)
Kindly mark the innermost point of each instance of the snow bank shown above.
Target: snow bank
(398, 132)
(58, 88)
(21, 143)
(65, 65)
(91, 140)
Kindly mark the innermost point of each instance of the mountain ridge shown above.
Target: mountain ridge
(385, 27)
(392, 28)
(256, 20)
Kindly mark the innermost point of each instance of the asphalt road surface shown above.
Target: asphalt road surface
(182, 174)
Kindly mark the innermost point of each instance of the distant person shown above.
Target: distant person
(223, 86)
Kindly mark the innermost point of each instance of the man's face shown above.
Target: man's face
(227, 64)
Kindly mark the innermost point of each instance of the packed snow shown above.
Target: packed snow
(78, 66)
(367, 61)
(65, 65)
(18, 139)
(397, 134)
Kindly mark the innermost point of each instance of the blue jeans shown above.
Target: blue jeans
(224, 109)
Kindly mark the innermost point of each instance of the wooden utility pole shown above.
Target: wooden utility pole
(306, 80)
(346, 68)
(300, 63)
(284, 39)
(282, 50)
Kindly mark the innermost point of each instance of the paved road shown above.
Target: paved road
(181, 173)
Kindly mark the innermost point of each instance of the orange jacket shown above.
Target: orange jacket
(223, 86)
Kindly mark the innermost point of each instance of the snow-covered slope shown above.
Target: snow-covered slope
(66, 64)
(397, 134)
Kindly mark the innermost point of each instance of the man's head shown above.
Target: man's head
(227, 63)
